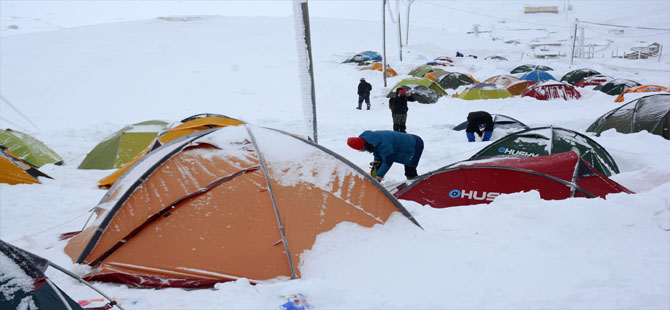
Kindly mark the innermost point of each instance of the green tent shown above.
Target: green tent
(422, 70)
(550, 140)
(650, 113)
(453, 80)
(122, 146)
(575, 76)
(422, 89)
(483, 91)
(28, 148)
(617, 86)
(528, 68)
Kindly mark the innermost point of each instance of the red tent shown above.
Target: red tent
(557, 176)
(593, 80)
(551, 90)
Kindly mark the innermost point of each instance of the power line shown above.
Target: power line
(621, 26)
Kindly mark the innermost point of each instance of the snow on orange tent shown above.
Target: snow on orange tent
(378, 66)
(186, 126)
(642, 89)
(435, 74)
(516, 88)
(224, 204)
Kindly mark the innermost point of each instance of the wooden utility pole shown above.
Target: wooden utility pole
(304, 11)
(384, 40)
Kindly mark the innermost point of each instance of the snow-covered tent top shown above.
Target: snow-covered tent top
(528, 68)
(594, 80)
(422, 89)
(556, 176)
(224, 204)
(650, 113)
(364, 58)
(484, 91)
(453, 80)
(123, 145)
(28, 148)
(642, 89)
(499, 121)
(537, 76)
(575, 76)
(422, 70)
(551, 89)
(617, 86)
(502, 80)
(550, 140)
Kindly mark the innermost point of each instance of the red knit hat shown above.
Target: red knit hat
(356, 143)
(401, 91)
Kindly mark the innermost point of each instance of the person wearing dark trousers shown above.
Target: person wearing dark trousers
(398, 106)
(476, 122)
(390, 147)
(364, 89)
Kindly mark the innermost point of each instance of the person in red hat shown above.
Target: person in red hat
(398, 106)
(364, 89)
(389, 147)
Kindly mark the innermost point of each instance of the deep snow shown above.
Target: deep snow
(81, 70)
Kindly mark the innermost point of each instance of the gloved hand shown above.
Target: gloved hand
(378, 178)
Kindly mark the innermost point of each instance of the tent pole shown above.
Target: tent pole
(76, 277)
(261, 161)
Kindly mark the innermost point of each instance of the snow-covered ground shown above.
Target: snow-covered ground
(81, 70)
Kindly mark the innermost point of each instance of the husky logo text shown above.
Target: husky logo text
(466, 194)
(508, 151)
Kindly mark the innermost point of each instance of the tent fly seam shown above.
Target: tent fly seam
(282, 231)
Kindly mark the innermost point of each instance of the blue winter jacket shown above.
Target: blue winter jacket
(392, 146)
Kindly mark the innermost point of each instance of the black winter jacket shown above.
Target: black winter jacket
(364, 88)
(398, 104)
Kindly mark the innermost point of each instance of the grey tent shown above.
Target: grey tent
(499, 121)
(650, 113)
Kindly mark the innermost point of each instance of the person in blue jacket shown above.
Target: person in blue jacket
(390, 147)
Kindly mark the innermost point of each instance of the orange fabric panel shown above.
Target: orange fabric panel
(229, 231)
(642, 89)
(435, 74)
(184, 173)
(307, 211)
(12, 174)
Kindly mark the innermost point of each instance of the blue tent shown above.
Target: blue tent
(537, 76)
(373, 55)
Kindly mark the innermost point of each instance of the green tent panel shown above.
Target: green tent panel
(122, 146)
(550, 140)
(483, 91)
(422, 89)
(650, 113)
(28, 148)
(422, 70)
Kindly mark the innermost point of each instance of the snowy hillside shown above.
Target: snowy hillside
(74, 72)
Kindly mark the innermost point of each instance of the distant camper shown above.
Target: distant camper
(478, 121)
(364, 89)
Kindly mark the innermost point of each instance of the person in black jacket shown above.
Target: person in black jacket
(398, 106)
(364, 89)
(476, 122)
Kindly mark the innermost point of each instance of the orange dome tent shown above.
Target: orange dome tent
(224, 204)
(642, 89)
(184, 127)
(378, 66)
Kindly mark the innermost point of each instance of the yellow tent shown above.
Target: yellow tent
(14, 170)
(186, 126)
